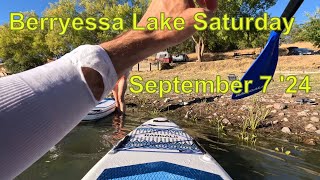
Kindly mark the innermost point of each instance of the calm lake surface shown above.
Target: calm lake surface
(81, 149)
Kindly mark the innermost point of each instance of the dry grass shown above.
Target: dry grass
(224, 64)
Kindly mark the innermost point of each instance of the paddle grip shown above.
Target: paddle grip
(290, 10)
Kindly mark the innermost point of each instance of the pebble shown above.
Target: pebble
(274, 111)
(285, 95)
(282, 114)
(244, 108)
(318, 132)
(315, 114)
(187, 116)
(166, 100)
(311, 142)
(185, 103)
(269, 106)
(275, 122)
(302, 113)
(305, 119)
(154, 102)
(286, 130)
(285, 119)
(315, 119)
(280, 106)
(215, 114)
(226, 122)
(310, 128)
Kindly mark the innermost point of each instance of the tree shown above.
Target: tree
(311, 29)
(24, 49)
(227, 40)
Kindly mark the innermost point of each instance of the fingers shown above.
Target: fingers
(202, 3)
(208, 4)
(211, 4)
(191, 4)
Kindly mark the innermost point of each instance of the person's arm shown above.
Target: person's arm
(40, 106)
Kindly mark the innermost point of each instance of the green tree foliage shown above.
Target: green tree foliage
(23, 50)
(296, 34)
(311, 29)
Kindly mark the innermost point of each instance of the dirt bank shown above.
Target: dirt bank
(296, 121)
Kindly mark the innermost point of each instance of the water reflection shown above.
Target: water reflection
(119, 130)
(80, 150)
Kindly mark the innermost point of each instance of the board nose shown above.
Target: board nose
(161, 119)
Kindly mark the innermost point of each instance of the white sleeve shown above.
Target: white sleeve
(40, 106)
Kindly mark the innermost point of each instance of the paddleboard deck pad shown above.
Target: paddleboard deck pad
(158, 149)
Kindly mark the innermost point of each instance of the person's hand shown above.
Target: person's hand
(134, 46)
(177, 8)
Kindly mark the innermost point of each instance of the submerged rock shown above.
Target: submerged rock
(286, 130)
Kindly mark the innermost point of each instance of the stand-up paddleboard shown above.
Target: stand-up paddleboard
(103, 109)
(158, 149)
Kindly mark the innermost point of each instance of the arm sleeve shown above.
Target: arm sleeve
(40, 106)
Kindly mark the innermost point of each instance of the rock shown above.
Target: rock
(209, 117)
(154, 102)
(302, 113)
(180, 101)
(280, 106)
(310, 142)
(226, 122)
(275, 122)
(244, 108)
(166, 100)
(282, 114)
(286, 130)
(314, 119)
(285, 95)
(318, 132)
(185, 103)
(188, 114)
(285, 119)
(269, 106)
(215, 114)
(273, 111)
(310, 128)
(315, 114)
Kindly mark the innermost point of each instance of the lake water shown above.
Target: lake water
(78, 152)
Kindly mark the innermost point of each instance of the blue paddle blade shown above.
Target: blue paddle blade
(264, 65)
